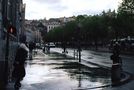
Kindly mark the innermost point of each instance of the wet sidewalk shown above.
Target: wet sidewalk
(90, 57)
(102, 59)
(57, 72)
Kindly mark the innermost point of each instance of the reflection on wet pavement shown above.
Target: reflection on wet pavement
(56, 72)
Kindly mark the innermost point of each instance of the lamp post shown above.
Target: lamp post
(79, 42)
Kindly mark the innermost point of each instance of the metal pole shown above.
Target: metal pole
(74, 53)
(79, 51)
(79, 56)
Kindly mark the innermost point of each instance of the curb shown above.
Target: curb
(123, 81)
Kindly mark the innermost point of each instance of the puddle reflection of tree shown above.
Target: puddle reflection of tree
(79, 78)
(81, 73)
(74, 68)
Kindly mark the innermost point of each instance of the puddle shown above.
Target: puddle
(61, 74)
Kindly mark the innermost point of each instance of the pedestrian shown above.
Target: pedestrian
(31, 47)
(44, 48)
(19, 69)
(116, 52)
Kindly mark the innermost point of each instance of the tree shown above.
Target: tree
(126, 16)
(69, 30)
(55, 35)
(127, 6)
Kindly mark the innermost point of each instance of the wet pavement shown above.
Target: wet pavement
(102, 59)
(57, 72)
(96, 58)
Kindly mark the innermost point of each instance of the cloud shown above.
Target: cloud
(47, 1)
(37, 9)
(33, 15)
(87, 12)
(57, 8)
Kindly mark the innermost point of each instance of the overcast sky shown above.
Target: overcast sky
(39, 9)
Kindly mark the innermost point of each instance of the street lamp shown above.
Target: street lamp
(79, 41)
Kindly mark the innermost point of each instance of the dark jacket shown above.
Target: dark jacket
(116, 59)
(31, 46)
(20, 58)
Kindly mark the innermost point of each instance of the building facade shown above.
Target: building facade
(33, 31)
(56, 22)
(52, 23)
(11, 12)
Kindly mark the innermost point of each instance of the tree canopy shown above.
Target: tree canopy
(99, 28)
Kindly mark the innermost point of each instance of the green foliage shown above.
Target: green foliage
(55, 35)
(126, 17)
(127, 6)
(98, 28)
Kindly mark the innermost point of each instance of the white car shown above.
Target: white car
(50, 45)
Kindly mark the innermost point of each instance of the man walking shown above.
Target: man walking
(20, 58)
(31, 47)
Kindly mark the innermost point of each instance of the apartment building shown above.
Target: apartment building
(11, 14)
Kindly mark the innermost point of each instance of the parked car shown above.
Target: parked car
(38, 45)
(50, 45)
(125, 44)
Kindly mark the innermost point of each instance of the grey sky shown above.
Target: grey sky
(39, 9)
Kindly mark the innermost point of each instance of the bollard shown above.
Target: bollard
(116, 72)
(44, 49)
(79, 56)
(74, 54)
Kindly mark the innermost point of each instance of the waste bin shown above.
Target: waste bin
(116, 72)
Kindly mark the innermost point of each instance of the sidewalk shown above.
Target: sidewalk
(105, 64)
(91, 57)
(126, 86)
(38, 80)
(40, 55)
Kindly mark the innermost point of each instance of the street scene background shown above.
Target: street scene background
(79, 48)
